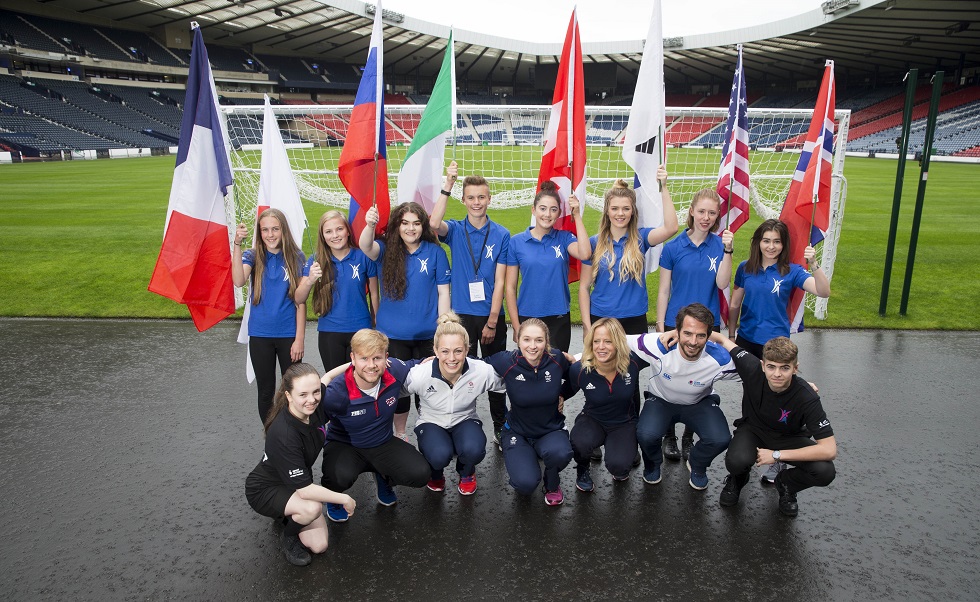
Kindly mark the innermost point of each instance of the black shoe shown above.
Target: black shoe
(687, 442)
(732, 489)
(294, 550)
(787, 498)
(637, 460)
(670, 448)
(496, 439)
(596, 455)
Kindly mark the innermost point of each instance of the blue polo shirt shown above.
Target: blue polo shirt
(355, 417)
(533, 391)
(486, 247)
(607, 402)
(275, 315)
(413, 318)
(693, 272)
(544, 272)
(349, 311)
(618, 299)
(763, 316)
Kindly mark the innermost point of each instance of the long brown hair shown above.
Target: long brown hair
(754, 264)
(279, 402)
(631, 265)
(324, 287)
(291, 255)
(394, 280)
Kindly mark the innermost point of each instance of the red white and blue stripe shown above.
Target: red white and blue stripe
(733, 174)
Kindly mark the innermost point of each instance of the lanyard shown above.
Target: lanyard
(477, 258)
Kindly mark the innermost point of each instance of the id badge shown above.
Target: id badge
(476, 292)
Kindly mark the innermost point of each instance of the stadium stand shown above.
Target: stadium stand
(80, 38)
(144, 46)
(24, 34)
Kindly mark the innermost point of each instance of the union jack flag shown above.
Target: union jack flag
(733, 174)
(806, 210)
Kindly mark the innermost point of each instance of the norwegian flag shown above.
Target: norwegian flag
(563, 161)
(806, 210)
(733, 174)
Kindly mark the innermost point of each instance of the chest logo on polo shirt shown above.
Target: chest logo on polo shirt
(666, 376)
(356, 272)
(627, 379)
(714, 264)
(423, 266)
(489, 254)
(558, 254)
(547, 376)
(520, 377)
(358, 412)
(390, 401)
(775, 286)
(285, 274)
(431, 389)
(589, 387)
(784, 415)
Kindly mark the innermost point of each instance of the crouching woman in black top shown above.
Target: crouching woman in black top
(782, 420)
(281, 486)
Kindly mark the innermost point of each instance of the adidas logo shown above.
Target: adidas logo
(589, 387)
(520, 377)
(431, 389)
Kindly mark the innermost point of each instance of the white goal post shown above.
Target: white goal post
(504, 144)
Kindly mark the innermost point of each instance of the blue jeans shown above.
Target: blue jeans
(521, 458)
(705, 418)
(466, 441)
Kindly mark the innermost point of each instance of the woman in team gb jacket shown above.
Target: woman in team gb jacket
(535, 427)
(448, 424)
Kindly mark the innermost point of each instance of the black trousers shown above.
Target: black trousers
(409, 350)
(334, 348)
(264, 352)
(399, 462)
(474, 327)
(753, 348)
(559, 329)
(742, 453)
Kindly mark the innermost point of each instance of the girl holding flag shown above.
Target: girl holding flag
(337, 274)
(414, 286)
(540, 256)
(276, 324)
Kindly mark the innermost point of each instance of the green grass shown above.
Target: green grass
(79, 239)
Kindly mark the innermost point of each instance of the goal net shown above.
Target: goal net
(504, 144)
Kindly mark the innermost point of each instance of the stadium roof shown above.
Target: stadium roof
(868, 39)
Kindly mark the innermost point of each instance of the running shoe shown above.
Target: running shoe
(496, 439)
(699, 479)
(337, 513)
(687, 442)
(293, 549)
(652, 477)
(732, 490)
(386, 495)
(787, 498)
(584, 481)
(769, 477)
(671, 452)
(436, 485)
(554, 498)
(467, 485)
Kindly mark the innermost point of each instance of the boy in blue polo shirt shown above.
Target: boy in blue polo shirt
(479, 247)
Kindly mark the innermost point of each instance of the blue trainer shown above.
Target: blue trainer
(386, 495)
(337, 513)
(699, 480)
(652, 477)
(584, 481)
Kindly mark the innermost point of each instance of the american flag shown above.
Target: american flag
(806, 210)
(733, 174)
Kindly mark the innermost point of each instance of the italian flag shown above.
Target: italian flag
(420, 179)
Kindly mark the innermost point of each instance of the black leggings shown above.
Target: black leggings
(409, 350)
(474, 328)
(264, 352)
(334, 348)
(753, 348)
(559, 329)
(743, 450)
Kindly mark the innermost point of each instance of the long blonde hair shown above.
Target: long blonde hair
(615, 331)
(324, 287)
(631, 265)
(291, 255)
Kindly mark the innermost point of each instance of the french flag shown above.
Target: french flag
(563, 161)
(194, 264)
(806, 210)
(363, 167)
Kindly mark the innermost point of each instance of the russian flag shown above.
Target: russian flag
(194, 264)
(806, 210)
(363, 167)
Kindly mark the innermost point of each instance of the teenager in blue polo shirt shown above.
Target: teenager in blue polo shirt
(764, 284)
(414, 286)
(338, 274)
(618, 281)
(540, 256)
(360, 402)
(693, 268)
(281, 485)
(609, 376)
(479, 248)
(277, 324)
(535, 426)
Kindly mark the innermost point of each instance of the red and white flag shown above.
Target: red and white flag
(806, 210)
(563, 161)
(194, 264)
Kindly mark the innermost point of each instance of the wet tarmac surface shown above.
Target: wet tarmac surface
(126, 446)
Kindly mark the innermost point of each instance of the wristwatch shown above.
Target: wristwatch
(776, 455)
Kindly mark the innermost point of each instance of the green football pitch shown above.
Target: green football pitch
(80, 238)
